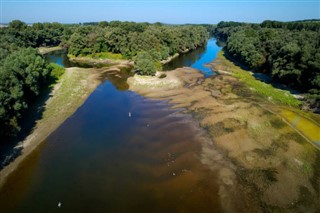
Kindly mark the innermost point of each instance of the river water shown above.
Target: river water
(119, 152)
(197, 58)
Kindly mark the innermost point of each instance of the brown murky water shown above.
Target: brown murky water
(157, 160)
(102, 160)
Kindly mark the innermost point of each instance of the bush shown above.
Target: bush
(145, 64)
(22, 75)
(56, 71)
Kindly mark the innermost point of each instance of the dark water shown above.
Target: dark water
(60, 57)
(103, 160)
(197, 58)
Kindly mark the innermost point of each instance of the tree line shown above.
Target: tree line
(288, 51)
(136, 40)
(24, 73)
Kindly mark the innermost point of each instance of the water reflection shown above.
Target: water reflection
(60, 57)
(102, 160)
(197, 58)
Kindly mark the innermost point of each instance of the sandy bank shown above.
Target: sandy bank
(259, 157)
(66, 97)
(45, 50)
(100, 62)
(139, 83)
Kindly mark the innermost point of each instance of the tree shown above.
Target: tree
(21, 75)
(288, 51)
(144, 64)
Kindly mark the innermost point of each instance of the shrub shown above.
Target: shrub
(56, 71)
(145, 64)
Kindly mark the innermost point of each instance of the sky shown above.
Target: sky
(165, 11)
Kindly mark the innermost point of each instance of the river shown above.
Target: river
(119, 152)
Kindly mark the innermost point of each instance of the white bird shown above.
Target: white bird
(129, 114)
(59, 204)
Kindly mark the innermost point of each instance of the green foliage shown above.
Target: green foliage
(55, 70)
(21, 76)
(23, 71)
(288, 51)
(106, 55)
(118, 40)
(19, 35)
(267, 90)
(129, 38)
(313, 98)
(145, 64)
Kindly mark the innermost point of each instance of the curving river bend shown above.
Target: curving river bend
(103, 160)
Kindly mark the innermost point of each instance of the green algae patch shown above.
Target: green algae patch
(307, 127)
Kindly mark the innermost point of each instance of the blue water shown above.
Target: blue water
(210, 54)
(58, 57)
(197, 58)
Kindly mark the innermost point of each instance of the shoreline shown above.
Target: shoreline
(256, 167)
(67, 96)
(100, 62)
(46, 50)
(44, 128)
(111, 62)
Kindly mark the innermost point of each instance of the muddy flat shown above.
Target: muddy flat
(264, 164)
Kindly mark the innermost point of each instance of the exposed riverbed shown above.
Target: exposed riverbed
(122, 152)
(118, 152)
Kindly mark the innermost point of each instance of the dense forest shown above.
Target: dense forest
(288, 51)
(142, 42)
(24, 73)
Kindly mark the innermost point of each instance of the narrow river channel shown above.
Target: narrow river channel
(119, 152)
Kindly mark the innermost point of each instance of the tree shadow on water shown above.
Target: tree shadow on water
(11, 148)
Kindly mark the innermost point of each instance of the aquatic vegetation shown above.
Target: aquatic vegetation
(277, 123)
(265, 90)
(307, 127)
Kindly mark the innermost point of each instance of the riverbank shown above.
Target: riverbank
(46, 50)
(257, 154)
(67, 95)
(75, 85)
(100, 62)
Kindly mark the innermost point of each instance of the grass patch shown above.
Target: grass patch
(105, 55)
(277, 123)
(307, 127)
(56, 71)
(67, 98)
(261, 88)
(292, 136)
